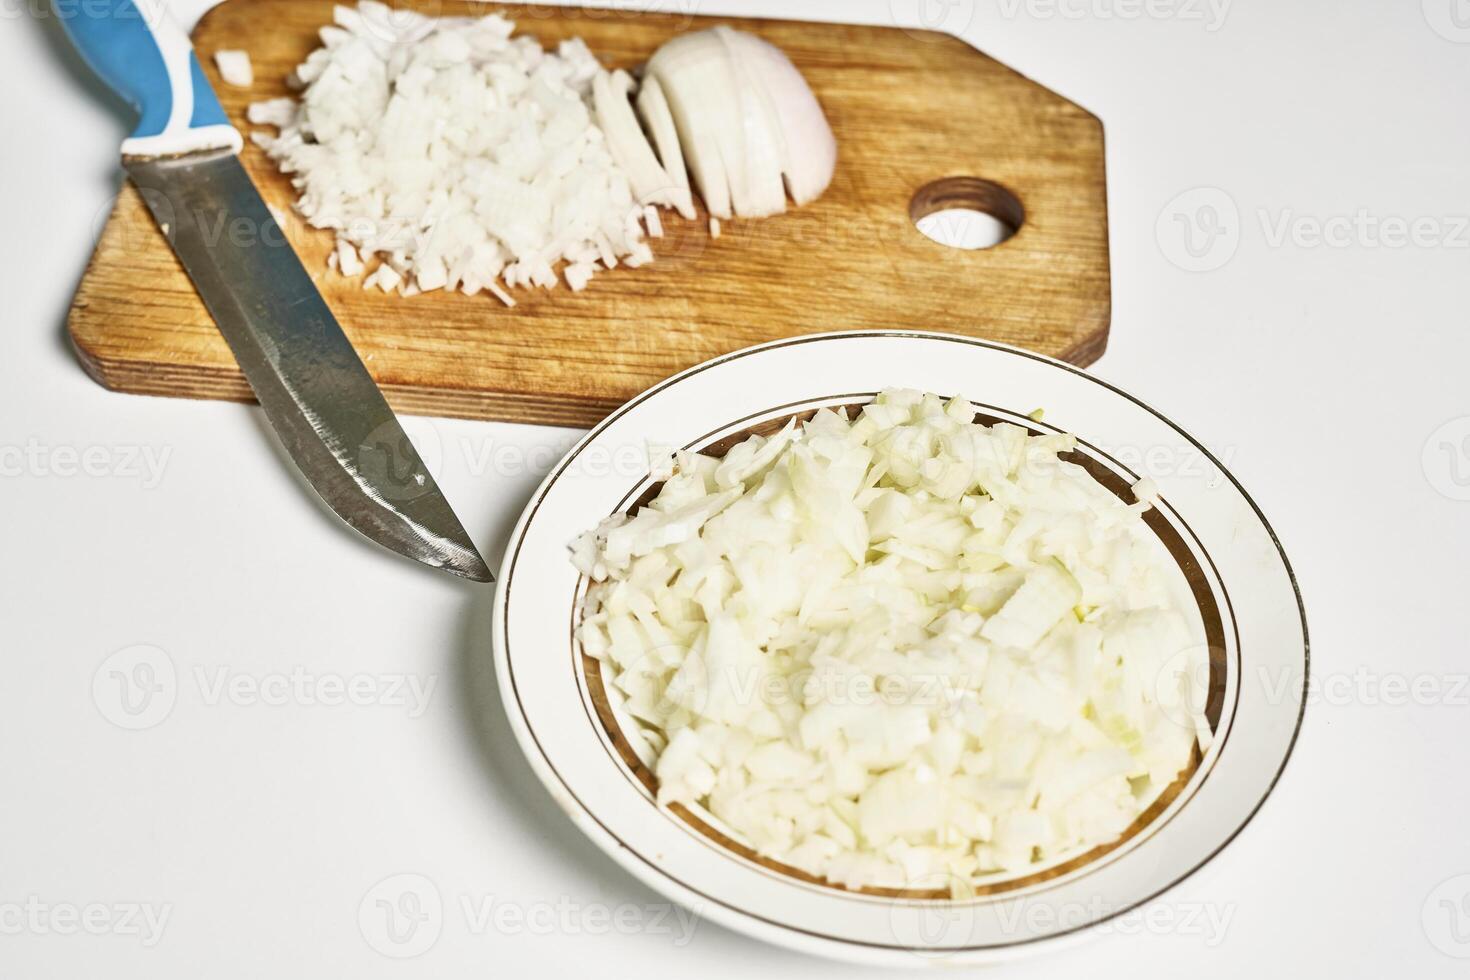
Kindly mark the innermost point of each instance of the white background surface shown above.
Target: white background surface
(1321, 372)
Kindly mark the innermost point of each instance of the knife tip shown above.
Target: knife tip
(471, 567)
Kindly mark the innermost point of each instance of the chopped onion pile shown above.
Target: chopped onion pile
(454, 154)
(446, 154)
(900, 648)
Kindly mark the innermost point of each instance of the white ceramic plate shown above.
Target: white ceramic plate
(1228, 559)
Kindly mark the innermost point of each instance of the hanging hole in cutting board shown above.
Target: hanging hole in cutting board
(966, 212)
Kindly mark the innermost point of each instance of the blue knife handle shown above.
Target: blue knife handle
(138, 50)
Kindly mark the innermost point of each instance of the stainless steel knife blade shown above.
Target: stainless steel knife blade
(329, 414)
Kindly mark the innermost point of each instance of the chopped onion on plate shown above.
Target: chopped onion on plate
(897, 645)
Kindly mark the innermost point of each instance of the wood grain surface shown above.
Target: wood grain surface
(908, 107)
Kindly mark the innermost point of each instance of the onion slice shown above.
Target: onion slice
(653, 108)
(625, 139)
(810, 149)
(759, 194)
(697, 78)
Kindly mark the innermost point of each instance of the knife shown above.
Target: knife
(323, 405)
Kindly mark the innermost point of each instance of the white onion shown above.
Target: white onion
(235, 68)
(626, 141)
(809, 148)
(759, 193)
(653, 109)
(749, 125)
(698, 82)
(899, 648)
(447, 154)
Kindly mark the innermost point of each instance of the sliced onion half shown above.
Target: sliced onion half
(748, 124)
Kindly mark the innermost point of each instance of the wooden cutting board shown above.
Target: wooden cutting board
(909, 108)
